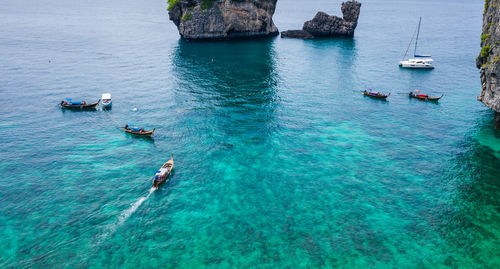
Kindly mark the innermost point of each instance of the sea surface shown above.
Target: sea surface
(280, 162)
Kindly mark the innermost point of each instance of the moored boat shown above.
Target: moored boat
(162, 174)
(417, 63)
(137, 130)
(106, 100)
(423, 96)
(77, 105)
(420, 61)
(375, 94)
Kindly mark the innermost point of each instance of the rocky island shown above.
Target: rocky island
(324, 25)
(488, 59)
(223, 19)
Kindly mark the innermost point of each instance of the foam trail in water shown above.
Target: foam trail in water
(127, 213)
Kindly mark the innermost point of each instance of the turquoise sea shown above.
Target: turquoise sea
(280, 162)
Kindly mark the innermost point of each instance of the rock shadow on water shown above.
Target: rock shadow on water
(227, 68)
(233, 83)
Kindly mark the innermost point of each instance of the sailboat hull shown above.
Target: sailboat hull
(421, 61)
(415, 65)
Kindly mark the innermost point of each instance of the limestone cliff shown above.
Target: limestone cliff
(223, 19)
(324, 25)
(488, 59)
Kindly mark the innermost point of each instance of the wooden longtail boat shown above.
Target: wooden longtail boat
(78, 105)
(424, 97)
(374, 94)
(162, 174)
(138, 131)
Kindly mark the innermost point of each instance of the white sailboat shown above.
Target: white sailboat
(420, 61)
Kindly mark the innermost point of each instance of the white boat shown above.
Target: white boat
(419, 61)
(162, 174)
(423, 63)
(106, 100)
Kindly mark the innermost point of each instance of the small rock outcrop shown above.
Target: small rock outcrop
(297, 34)
(223, 19)
(324, 25)
(488, 59)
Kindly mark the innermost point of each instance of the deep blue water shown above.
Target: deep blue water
(280, 161)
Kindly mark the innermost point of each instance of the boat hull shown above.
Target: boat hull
(405, 64)
(432, 99)
(107, 104)
(169, 165)
(383, 96)
(77, 107)
(144, 133)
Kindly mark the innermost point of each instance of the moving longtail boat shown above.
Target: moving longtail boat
(162, 174)
(375, 94)
(137, 130)
(424, 97)
(78, 105)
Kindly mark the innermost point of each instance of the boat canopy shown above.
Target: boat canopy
(74, 102)
(422, 56)
(106, 96)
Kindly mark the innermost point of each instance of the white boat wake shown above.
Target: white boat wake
(126, 214)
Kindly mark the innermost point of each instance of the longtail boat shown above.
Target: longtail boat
(137, 131)
(78, 105)
(162, 174)
(374, 94)
(424, 97)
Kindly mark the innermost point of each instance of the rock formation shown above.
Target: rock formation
(297, 34)
(488, 59)
(223, 19)
(324, 25)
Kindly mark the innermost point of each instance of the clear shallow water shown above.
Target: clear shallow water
(280, 162)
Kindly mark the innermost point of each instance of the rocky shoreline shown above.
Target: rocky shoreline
(223, 19)
(488, 59)
(324, 25)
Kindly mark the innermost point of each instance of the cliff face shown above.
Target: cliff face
(324, 25)
(223, 19)
(488, 59)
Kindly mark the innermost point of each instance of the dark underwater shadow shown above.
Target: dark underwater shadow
(231, 83)
(227, 65)
(470, 195)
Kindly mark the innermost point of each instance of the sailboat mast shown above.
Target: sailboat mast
(416, 40)
(409, 44)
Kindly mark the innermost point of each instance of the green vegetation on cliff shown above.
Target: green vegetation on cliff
(187, 16)
(484, 37)
(206, 4)
(171, 4)
(485, 51)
